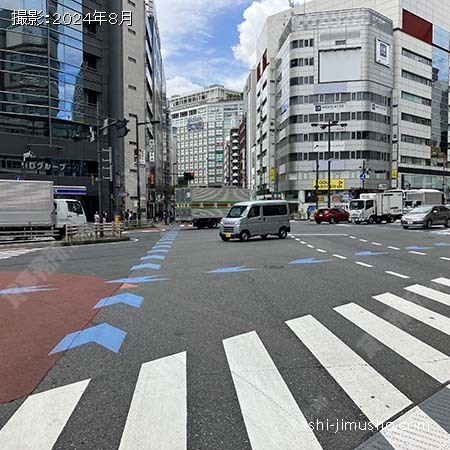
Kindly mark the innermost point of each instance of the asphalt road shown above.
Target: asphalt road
(262, 345)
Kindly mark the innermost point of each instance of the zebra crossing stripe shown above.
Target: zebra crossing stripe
(424, 315)
(443, 281)
(423, 356)
(40, 420)
(158, 413)
(271, 415)
(376, 397)
(429, 293)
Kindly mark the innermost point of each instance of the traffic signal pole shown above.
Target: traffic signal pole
(138, 173)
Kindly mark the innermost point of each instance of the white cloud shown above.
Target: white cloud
(180, 86)
(254, 18)
(187, 24)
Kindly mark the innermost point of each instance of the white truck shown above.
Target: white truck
(377, 207)
(30, 206)
(206, 206)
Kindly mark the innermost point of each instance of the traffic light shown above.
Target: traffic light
(136, 156)
(189, 176)
(121, 127)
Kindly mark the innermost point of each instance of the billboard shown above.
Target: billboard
(195, 124)
(383, 53)
(340, 65)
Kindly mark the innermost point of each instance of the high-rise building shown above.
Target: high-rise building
(58, 83)
(380, 68)
(203, 121)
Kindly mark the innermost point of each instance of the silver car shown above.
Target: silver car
(426, 216)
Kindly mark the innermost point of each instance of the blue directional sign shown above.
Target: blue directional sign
(418, 248)
(138, 280)
(162, 246)
(146, 266)
(442, 244)
(232, 269)
(310, 261)
(363, 177)
(104, 334)
(161, 250)
(370, 253)
(128, 299)
(159, 257)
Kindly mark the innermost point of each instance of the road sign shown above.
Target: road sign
(363, 177)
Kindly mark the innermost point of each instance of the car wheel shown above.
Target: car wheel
(224, 238)
(264, 236)
(370, 221)
(318, 222)
(332, 221)
(429, 224)
(391, 219)
(447, 224)
(282, 234)
(405, 227)
(244, 236)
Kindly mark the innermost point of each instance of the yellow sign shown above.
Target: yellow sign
(337, 184)
(394, 174)
(272, 174)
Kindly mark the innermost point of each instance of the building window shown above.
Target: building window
(416, 57)
(132, 60)
(416, 119)
(131, 31)
(417, 78)
(416, 99)
(89, 61)
(415, 140)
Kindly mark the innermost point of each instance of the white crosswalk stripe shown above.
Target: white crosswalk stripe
(423, 356)
(157, 417)
(378, 399)
(272, 417)
(7, 254)
(38, 423)
(158, 413)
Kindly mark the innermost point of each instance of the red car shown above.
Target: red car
(331, 215)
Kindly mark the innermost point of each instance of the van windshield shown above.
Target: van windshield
(236, 212)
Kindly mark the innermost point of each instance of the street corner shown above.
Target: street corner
(36, 311)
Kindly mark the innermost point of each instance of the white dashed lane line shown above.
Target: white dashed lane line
(364, 240)
(321, 251)
(398, 275)
(376, 243)
(310, 246)
(445, 258)
(363, 264)
(340, 257)
(417, 253)
(393, 248)
(353, 237)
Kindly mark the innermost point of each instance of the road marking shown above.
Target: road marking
(399, 275)
(271, 415)
(393, 248)
(378, 399)
(376, 243)
(363, 264)
(423, 356)
(416, 430)
(158, 413)
(363, 240)
(445, 258)
(432, 294)
(353, 237)
(320, 234)
(303, 242)
(310, 246)
(321, 251)
(40, 420)
(443, 281)
(418, 253)
(297, 239)
(424, 315)
(340, 256)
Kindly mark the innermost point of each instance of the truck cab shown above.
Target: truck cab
(68, 212)
(362, 210)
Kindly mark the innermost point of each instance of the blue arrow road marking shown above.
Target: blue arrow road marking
(137, 280)
(26, 290)
(310, 261)
(370, 253)
(232, 269)
(160, 257)
(442, 244)
(418, 248)
(146, 266)
(159, 251)
(105, 335)
(127, 299)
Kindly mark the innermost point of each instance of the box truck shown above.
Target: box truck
(377, 207)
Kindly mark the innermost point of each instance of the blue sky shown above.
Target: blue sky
(210, 41)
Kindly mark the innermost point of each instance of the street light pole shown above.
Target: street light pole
(138, 172)
(329, 164)
(317, 178)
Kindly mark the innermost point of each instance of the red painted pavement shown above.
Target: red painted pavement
(32, 324)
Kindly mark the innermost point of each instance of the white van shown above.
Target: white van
(259, 218)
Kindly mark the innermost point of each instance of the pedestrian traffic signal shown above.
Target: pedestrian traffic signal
(136, 156)
(121, 127)
(189, 176)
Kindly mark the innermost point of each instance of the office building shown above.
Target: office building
(203, 120)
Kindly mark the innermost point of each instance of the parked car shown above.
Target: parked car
(426, 216)
(331, 215)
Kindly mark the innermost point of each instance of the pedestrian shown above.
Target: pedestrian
(166, 217)
(105, 217)
(96, 217)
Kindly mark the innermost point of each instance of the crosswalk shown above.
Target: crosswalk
(274, 419)
(7, 254)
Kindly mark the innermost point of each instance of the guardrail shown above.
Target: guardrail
(28, 233)
(93, 231)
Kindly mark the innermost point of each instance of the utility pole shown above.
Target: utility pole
(317, 178)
